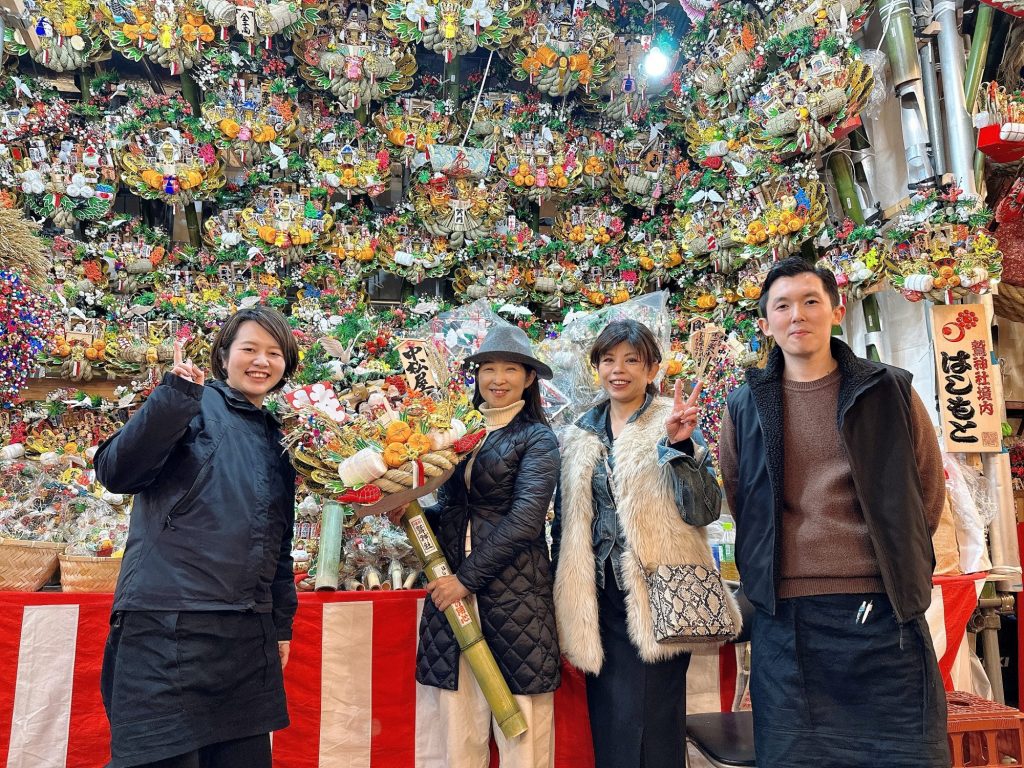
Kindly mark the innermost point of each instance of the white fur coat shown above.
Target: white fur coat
(653, 529)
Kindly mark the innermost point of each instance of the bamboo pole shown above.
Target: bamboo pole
(975, 71)
(979, 53)
(466, 626)
(451, 82)
(852, 209)
(329, 555)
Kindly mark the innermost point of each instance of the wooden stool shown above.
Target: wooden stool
(982, 734)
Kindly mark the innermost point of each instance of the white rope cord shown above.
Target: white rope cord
(476, 104)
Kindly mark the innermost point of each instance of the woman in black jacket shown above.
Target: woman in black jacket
(490, 524)
(202, 615)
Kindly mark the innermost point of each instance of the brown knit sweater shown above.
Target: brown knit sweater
(826, 548)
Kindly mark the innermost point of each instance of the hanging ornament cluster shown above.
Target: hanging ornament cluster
(27, 322)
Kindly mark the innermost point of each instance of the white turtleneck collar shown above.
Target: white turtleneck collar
(496, 418)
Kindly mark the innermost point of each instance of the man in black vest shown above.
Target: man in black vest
(832, 470)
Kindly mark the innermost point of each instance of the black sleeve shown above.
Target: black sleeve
(535, 483)
(134, 456)
(283, 587)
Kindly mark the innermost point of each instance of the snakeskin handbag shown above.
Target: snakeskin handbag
(688, 604)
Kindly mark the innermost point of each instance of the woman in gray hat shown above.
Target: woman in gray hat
(489, 520)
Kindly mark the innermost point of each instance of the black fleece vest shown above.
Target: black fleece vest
(874, 419)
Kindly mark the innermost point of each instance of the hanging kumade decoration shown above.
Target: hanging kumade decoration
(456, 202)
(490, 125)
(257, 21)
(800, 113)
(347, 167)
(76, 181)
(252, 116)
(560, 51)
(414, 125)
(69, 38)
(171, 156)
(629, 91)
(353, 57)
(724, 64)
(854, 254)
(539, 165)
(455, 27)
(646, 170)
(285, 225)
(171, 33)
(940, 249)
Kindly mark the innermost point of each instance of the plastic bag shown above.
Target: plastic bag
(972, 511)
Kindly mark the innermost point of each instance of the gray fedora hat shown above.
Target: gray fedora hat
(509, 342)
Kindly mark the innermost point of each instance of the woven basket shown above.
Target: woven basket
(1009, 302)
(26, 566)
(80, 573)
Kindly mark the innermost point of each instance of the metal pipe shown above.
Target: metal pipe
(931, 101)
(993, 662)
(958, 122)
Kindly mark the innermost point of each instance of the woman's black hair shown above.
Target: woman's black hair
(634, 333)
(273, 322)
(533, 410)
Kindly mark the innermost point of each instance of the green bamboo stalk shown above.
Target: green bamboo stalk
(899, 42)
(451, 82)
(192, 223)
(845, 187)
(329, 555)
(465, 625)
(190, 91)
(979, 53)
(851, 208)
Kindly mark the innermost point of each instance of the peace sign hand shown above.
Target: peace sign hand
(186, 370)
(682, 422)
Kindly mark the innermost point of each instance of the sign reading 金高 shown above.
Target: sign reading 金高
(968, 382)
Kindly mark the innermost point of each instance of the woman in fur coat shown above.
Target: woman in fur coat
(636, 483)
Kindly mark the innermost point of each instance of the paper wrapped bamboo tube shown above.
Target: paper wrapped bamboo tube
(330, 547)
(466, 627)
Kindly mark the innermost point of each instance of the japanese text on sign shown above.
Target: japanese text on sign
(416, 364)
(967, 378)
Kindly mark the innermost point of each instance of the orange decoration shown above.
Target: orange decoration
(398, 432)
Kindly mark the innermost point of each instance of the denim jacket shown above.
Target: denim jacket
(688, 458)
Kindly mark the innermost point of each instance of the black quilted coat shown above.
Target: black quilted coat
(508, 569)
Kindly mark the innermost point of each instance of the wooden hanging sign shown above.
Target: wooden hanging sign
(969, 380)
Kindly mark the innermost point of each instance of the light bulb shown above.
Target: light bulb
(655, 62)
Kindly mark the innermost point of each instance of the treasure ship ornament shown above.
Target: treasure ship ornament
(354, 58)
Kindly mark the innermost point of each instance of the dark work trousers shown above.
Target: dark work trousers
(637, 710)
(829, 691)
(251, 752)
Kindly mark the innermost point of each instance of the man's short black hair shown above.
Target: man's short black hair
(792, 267)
